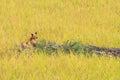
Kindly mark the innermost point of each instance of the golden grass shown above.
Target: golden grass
(91, 22)
(62, 67)
(94, 22)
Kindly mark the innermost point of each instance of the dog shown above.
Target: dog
(32, 41)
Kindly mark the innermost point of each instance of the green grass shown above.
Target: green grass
(94, 22)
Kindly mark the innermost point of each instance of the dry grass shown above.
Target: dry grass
(94, 22)
(62, 67)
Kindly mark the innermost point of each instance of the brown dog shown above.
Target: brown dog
(24, 45)
(32, 41)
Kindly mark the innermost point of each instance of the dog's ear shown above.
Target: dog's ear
(31, 34)
(35, 32)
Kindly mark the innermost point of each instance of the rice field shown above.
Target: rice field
(93, 22)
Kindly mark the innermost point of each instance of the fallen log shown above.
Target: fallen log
(101, 50)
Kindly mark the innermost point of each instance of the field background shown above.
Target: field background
(94, 22)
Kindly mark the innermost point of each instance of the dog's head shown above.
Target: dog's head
(33, 39)
(33, 36)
